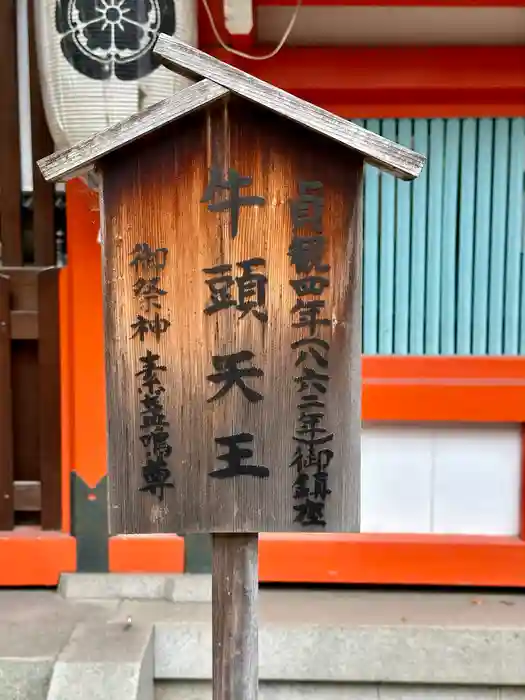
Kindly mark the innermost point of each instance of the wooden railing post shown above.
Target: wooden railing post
(42, 144)
(10, 178)
(6, 417)
(49, 398)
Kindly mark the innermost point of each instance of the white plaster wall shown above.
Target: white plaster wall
(449, 479)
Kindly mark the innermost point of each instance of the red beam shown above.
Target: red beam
(442, 560)
(399, 81)
(464, 389)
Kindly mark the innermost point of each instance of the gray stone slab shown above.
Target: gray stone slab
(34, 628)
(429, 692)
(179, 588)
(105, 661)
(112, 586)
(355, 654)
(37, 624)
(25, 679)
(200, 690)
(353, 642)
(359, 637)
(186, 588)
(162, 611)
(358, 607)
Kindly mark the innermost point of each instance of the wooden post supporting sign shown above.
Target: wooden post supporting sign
(234, 610)
(232, 252)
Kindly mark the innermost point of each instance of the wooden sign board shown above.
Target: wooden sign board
(232, 250)
(231, 264)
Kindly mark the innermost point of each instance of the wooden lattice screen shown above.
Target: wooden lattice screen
(443, 269)
(30, 491)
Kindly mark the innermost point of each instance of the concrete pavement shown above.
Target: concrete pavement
(327, 644)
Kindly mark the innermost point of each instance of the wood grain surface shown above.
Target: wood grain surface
(10, 167)
(152, 192)
(80, 158)
(6, 410)
(379, 151)
(235, 581)
(49, 404)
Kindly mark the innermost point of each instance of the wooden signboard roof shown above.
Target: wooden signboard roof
(381, 152)
(219, 79)
(80, 158)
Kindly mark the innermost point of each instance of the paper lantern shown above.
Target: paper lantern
(96, 62)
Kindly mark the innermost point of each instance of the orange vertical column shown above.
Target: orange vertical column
(87, 423)
(86, 351)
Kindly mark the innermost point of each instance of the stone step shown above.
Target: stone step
(35, 626)
(105, 661)
(327, 644)
(186, 588)
(180, 690)
(342, 636)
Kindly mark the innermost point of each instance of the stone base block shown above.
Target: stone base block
(342, 691)
(105, 662)
(181, 588)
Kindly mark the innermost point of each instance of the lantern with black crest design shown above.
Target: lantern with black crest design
(96, 60)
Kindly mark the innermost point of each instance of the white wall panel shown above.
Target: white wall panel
(396, 472)
(476, 480)
(441, 478)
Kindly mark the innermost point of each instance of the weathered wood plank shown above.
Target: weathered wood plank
(49, 420)
(27, 496)
(10, 176)
(6, 412)
(24, 325)
(24, 378)
(23, 290)
(171, 175)
(377, 150)
(41, 144)
(80, 158)
(235, 582)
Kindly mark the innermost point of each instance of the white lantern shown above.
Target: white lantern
(96, 62)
